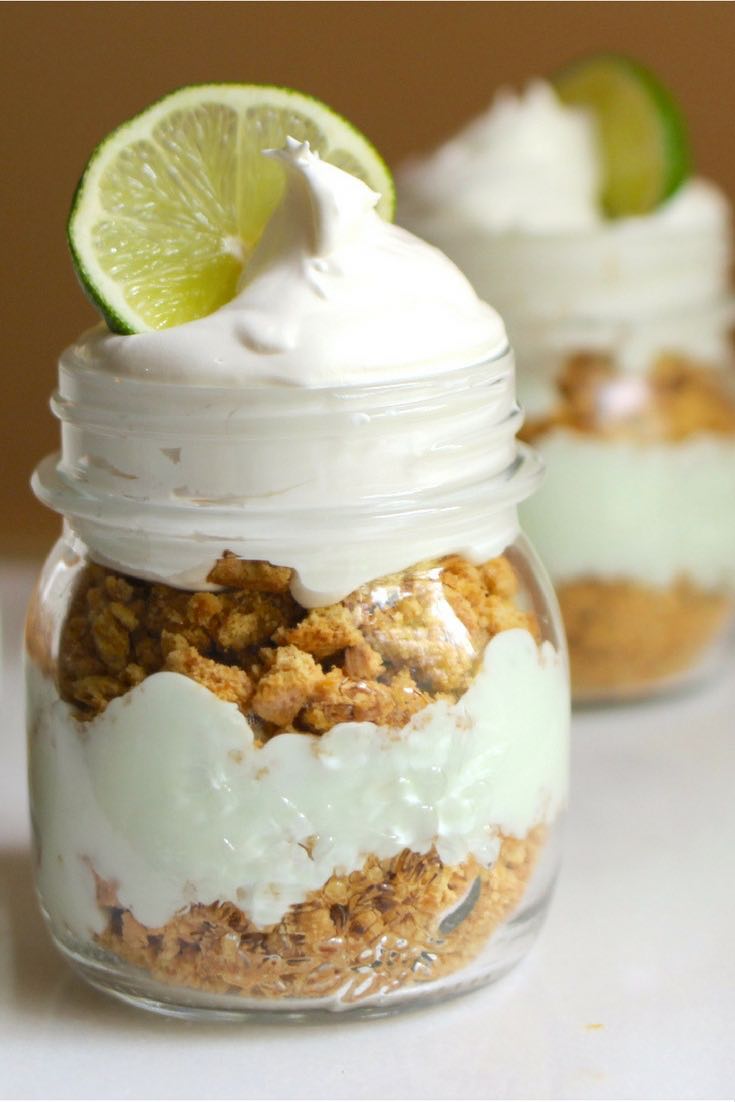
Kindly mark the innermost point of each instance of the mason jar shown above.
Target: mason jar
(293, 752)
(622, 336)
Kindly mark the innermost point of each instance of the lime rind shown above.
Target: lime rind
(176, 181)
(643, 133)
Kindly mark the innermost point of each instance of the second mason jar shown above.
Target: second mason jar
(622, 335)
(629, 391)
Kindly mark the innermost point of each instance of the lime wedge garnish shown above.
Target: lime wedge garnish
(172, 203)
(642, 132)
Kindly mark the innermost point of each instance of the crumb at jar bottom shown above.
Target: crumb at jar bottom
(406, 922)
(242, 806)
(454, 929)
(627, 638)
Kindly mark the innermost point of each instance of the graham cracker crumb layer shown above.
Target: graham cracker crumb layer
(410, 920)
(625, 637)
(388, 650)
(678, 398)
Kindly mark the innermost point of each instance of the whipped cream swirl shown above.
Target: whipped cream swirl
(514, 200)
(333, 295)
(351, 412)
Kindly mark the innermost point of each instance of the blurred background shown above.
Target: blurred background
(408, 74)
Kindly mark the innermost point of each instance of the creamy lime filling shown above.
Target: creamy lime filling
(650, 513)
(166, 796)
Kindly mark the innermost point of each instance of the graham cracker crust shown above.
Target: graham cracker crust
(624, 636)
(410, 920)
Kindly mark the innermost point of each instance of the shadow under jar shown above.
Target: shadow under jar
(290, 759)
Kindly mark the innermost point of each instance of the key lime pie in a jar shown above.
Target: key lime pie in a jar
(571, 208)
(297, 690)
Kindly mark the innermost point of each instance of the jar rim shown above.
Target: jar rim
(168, 475)
(343, 547)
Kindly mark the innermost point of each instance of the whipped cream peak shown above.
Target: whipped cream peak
(324, 207)
(333, 295)
(528, 163)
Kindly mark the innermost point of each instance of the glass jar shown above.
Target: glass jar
(285, 756)
(622, 335)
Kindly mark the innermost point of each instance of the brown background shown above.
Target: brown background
(408, 74)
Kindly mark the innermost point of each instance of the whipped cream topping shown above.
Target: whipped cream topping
(350, 413)
(529, 163)
(333, 295)
(562, 275)
(166, 795)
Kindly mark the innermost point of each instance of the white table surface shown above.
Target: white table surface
(629, 993)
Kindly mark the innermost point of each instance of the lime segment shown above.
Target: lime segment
(172, 203)
(642, 132)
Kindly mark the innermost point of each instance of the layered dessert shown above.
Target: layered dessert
(298, 703)
(363, 843)
(620, 314)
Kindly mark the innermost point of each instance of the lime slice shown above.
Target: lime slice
(173, 202)
(643, 134)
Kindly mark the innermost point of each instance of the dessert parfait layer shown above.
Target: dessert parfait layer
(642, 470)
(621, 329)
(236, 795)
(298, 698)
